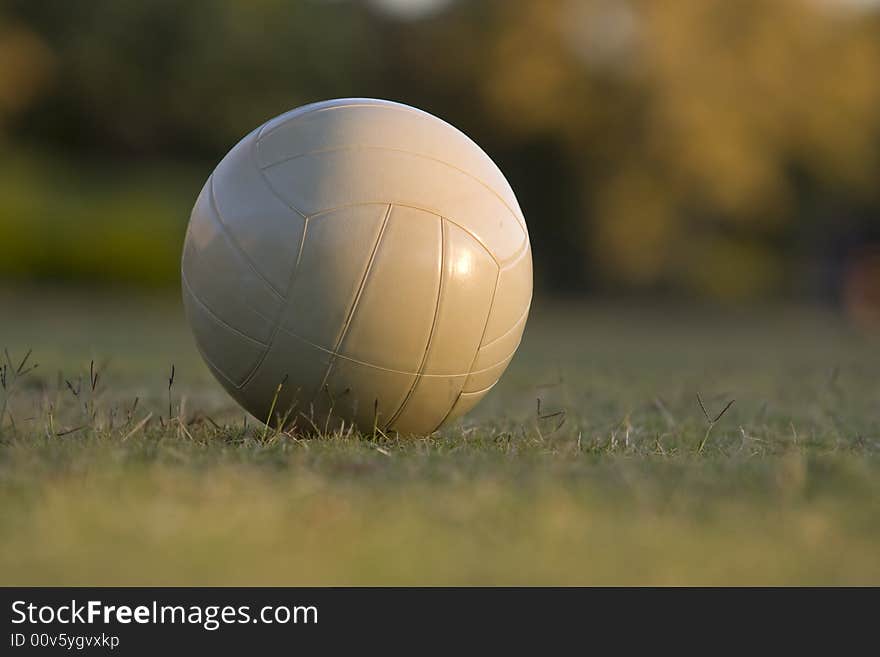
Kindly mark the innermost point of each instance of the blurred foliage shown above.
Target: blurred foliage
(725, 149)
(91, 224)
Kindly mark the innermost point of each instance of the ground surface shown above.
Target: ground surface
(634, 487)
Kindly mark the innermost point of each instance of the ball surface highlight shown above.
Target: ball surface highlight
(366, 257)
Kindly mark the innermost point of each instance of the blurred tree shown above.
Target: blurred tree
(26, 65)
(689, 118)
(165, 77)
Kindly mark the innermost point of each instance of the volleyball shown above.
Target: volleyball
(357, 261)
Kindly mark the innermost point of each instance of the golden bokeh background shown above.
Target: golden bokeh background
(686, 148)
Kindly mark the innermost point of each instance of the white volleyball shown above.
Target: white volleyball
(366, 258)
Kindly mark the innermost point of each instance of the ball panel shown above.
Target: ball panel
(485, 378)
(339, 178)
(399, 298)
(465, 402)
(263, 226)
(301, 364)
(222, 280)
(512, 297)
(469, 276)
(276, 122)
(380, 124)
(362, 393)
(428, 404)
(335, 257)
(231, 352)
(501, 347)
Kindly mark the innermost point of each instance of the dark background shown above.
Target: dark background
(697, 149)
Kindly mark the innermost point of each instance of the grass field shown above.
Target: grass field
(619, 479)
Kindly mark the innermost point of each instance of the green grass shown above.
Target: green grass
(786, 489)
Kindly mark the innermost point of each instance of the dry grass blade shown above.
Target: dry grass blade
(272, 407)
(67, 432)
(711, 421)
(170, 385)
(140, 425)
